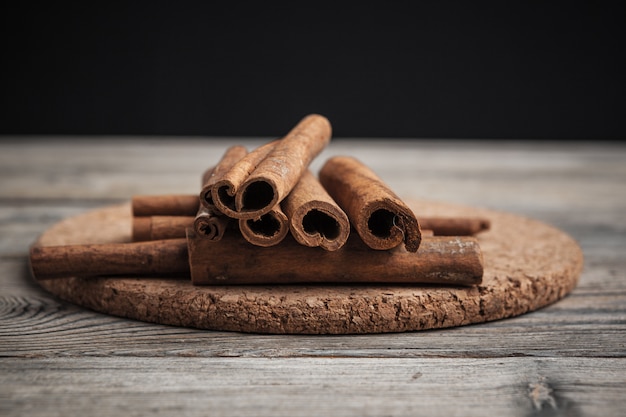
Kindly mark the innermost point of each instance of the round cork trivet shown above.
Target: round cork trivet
(528, 265)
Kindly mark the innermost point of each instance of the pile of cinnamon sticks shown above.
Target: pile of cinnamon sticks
(268, 194)
(258, 213)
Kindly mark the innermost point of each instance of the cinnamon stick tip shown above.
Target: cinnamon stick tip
(267, 230)
(257, 196)
(319, 223)
(386, 224)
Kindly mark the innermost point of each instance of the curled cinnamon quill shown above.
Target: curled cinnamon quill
(380, 217)
(259, 182)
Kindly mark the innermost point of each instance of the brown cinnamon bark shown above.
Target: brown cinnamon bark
(314, 217)
(232, 155)
(159, 227)
(455, 226)
(440, 226)
(269, 230)
(250, 193)
(441, 260)
(154, 258)
(205, 223)
(380, 217)
(210, 224)
(225, 188)
(165, 205)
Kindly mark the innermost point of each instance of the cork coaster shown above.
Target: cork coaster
(528, 265)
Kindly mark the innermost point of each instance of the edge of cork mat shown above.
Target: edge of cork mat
(528, 265)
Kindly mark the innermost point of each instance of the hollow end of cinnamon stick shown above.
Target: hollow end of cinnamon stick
(212, 228)
(206, 197)
(386, 224)
(256, 198)
(315, 219)
(232, 156)
(210, 225)
(223, 197)
(268, 230)
(380, 217)
(321, 225)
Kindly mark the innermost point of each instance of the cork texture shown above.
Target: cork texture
(528, 265)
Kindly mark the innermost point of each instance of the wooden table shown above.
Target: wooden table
(566, 359)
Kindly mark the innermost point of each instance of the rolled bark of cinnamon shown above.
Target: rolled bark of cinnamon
(259, 190)
(210, 224)
(380, 217)
(159, 227)
(315, 219)
(232, 155)
(269, 230)
(154, 258)
(225, 188)
(455, 226)
(441, 260)
(165, 205)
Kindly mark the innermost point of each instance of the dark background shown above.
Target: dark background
(387, 69)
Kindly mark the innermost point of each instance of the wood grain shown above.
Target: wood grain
(364, 386)
(568, 358)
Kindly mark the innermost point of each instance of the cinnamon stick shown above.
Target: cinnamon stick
(164, 205)
(269, 230)
(210, 224)
(232, 155)
(381, 218)
(259, 190)
(154, 258)
(159, 227)
(314, 217)
(440, 260)
(225, 188)
(455, 226)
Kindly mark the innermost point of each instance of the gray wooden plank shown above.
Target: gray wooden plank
(478, 173)
(313, 386)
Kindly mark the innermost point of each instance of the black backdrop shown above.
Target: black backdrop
(393, 69)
